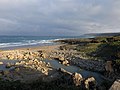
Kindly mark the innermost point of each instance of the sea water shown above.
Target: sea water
(9, 42)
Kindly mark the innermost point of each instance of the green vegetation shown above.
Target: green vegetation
(87, 50)
(108, 51)
(99, 48)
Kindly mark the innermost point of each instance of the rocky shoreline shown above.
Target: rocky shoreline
(30, 66)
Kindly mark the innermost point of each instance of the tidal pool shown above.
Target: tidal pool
(72, 69)
(55, 64)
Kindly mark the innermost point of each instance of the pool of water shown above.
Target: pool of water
(72, 69)
(55, 64)
(3, 66)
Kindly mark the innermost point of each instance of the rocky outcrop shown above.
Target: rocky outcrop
(64, 71)
(72, 57)
(22, 55)
(25, 69)
(36, 65)
(116, 85)
(77, 78)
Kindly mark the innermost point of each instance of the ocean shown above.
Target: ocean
(11, 42)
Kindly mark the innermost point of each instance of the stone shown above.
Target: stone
(65, 62)
(30, 61)
(0, 74)
(8, 65)
(108, 66)
(22, 62)
(20, 56)
(64, 71)
(116, 85)
(61, 58)
(40, 62)
(35, 60)
(17, 63)
(90, 83)
(11, 57)
(25, 58)
(44, 55)
(39, 68)
(77, 78)
(17, 69)
(1, 63)
(6, 72)
(33, 66)
(44, 71)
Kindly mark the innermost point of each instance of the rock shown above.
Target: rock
(8, 65)
(1, 63)
(44, 55)
(0, 74)
(44, 70)
(48, 64)
(116, 85)
(40, 62)
(64, 71)
(77, 78)
(17, 69)
(17, 63)
(108, 66)
(20, 56)
(39, 68)
(22, 62)
(25, 58)
(61, 58)
(65, 62)
(6, 72)
(11, 57)
(33, 66)
(30, 61)
(90, 83)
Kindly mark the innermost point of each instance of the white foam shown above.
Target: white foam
(25, 43)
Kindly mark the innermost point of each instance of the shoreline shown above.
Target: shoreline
(27, 46)
(32, 62)
(54, 52)
(46, 50)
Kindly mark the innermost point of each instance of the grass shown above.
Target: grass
(87, 49)
(101, 48)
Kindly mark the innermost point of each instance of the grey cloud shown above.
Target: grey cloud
(58, 17)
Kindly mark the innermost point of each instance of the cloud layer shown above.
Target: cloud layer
(58, 17)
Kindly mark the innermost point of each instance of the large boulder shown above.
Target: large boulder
(116, 85)
(90, 83)
(77, 79)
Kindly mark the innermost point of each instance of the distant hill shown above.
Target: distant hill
(104, 34)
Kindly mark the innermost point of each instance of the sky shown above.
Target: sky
(59, 17)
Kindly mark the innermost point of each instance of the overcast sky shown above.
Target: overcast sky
(59, 17)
